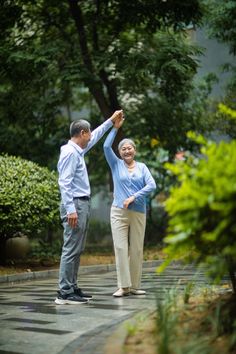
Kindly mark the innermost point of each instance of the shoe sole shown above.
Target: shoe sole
(69, 302)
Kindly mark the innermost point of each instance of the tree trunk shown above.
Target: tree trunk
(96, 81)
(93, 82)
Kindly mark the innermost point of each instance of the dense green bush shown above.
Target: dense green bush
(202, 209)
(29, 198)
(41, 250)
(156, 226)
(99, 233)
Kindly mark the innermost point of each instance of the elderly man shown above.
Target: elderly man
(75, 204)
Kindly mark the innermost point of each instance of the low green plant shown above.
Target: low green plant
(167, 320)
(195, 346)
(131, 328)
(194, 329)
(188, 291)
(133, 325)
(215, 321)
(222, 317)
(29, 198)
(207, 292)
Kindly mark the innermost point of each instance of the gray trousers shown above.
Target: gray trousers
(73, 246)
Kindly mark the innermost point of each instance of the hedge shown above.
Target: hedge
(29, 197)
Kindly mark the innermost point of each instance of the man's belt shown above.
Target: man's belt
(85, 197)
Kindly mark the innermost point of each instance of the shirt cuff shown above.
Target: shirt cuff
(109, 122)
(71, 209)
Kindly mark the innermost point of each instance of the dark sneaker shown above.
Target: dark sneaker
(69, 299)
(80, 293)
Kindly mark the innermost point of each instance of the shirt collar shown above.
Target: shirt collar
(77, 147)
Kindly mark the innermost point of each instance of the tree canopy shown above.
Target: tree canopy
(58, 58)
(221, 21)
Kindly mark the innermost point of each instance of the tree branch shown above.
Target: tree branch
(94, 84)
(109, 84)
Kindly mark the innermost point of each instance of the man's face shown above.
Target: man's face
(85, 138)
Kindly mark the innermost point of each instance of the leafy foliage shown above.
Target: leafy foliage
(202, 208)
(225, 124)
(31, 93)
(29, 198)
(221, 20)
(55, 57)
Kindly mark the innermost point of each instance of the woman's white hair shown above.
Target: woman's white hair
(126, 141)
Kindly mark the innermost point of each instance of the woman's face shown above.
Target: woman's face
(127, 153)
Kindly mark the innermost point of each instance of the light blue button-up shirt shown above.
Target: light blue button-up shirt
(139, 183)
(73, 176)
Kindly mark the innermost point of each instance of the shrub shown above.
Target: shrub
(29, 198)
(156, 226)
(202, 209)
(99, 233)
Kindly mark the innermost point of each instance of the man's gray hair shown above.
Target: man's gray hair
(77, 126)
(126, 141)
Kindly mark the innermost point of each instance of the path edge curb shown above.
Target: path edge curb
(53, 273)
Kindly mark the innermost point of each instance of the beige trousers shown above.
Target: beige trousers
(128, 229)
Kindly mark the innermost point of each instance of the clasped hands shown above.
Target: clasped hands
(117, 118)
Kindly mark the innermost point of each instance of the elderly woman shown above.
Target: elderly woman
(132, 183)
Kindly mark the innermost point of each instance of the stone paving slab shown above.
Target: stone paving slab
(31, 323)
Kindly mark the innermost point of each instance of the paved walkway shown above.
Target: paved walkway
(31, 323)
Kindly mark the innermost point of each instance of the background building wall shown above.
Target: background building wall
(215, 55)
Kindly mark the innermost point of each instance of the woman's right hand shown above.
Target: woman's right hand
(128, 201)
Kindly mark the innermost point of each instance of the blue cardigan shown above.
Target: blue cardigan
(139, 183)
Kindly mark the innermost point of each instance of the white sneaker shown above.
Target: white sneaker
(121, 292)
(137, 292)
